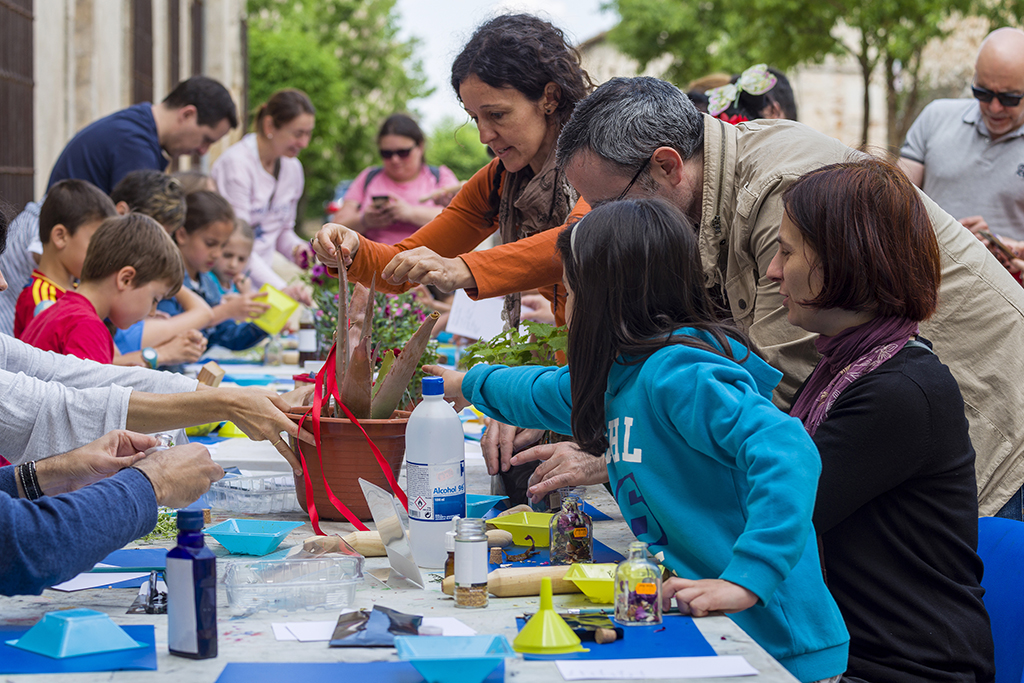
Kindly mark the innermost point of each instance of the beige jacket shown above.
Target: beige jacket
(978, 330)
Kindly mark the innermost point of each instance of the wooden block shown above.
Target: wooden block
(211, 374)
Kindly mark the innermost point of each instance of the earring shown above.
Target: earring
(270, 136)
(549, 110)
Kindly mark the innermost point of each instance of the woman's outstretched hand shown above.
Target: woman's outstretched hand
(335, 244)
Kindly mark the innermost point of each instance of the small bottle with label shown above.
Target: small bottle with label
(471, 564)
(572, 530)
(191, 578)
(307, 338)
(273, 352)
(449, 545)
(637, 588)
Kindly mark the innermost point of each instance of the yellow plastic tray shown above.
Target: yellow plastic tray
(597, 581)
(281, 308)
(523, 524)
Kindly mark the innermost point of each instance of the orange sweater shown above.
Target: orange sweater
(527, 264)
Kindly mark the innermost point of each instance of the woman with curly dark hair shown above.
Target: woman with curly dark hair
(519, 80)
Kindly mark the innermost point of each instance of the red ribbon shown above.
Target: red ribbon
(325, 379)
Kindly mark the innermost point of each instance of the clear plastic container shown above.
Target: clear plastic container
(255, 495)
(327, 583)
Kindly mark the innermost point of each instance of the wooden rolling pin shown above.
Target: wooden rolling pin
(510, 582)
(368, 543)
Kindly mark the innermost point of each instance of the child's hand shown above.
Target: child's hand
(299, 292)
(242, 307)
(243, 283)
(187, 347)
(452, 384)
(706, 597)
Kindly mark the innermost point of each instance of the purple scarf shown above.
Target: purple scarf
(847, 357)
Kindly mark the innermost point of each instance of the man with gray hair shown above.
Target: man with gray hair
(636, 136)
(643, 136)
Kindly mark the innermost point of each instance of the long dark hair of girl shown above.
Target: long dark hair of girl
(636, 279)
(526, 53)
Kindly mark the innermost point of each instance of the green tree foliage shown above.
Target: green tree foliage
(730, 35)
(345, 54)
(457, 146)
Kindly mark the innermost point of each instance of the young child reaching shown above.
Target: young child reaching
(209, 224)
(131, 264)
(71, 213)
(229, 270)
(706, 470)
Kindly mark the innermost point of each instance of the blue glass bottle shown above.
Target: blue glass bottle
(191, 591)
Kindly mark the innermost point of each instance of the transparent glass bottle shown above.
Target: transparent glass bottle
(571, 529)
(273, 352)
(637, 588)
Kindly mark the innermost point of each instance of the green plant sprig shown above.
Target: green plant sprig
(538, 345)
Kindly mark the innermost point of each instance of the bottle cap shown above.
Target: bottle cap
(190, 520)
(449, 541)
(433, 386)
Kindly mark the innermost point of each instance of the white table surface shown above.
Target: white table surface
(251, 639)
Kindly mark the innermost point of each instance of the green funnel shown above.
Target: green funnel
(546, 633)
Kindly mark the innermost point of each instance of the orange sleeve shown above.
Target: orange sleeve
(530, 263)
(458, 229)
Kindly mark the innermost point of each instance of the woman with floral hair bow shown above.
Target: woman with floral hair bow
(760, 92)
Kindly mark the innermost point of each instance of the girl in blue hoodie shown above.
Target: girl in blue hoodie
(706, 470)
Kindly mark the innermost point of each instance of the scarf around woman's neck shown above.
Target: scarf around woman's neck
(531, 203)
(845, 358)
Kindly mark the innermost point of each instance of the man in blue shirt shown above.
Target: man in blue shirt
(197, 113)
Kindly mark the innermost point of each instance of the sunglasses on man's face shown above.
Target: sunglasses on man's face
(1006, 99)
(401, 153)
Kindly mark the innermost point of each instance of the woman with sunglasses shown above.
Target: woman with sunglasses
(519, 80)
(388, 203)
(262, 179)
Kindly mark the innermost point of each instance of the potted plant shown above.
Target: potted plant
(368, 410)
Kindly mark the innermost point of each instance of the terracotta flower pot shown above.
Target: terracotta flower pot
(347, 458)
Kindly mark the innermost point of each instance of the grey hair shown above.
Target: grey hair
(626, 119)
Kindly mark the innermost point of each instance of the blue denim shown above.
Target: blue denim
(1014, 508)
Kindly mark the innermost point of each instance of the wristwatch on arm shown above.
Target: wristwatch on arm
(149, 355)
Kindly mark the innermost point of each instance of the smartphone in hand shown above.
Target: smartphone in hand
(380, 202)
(998, 244)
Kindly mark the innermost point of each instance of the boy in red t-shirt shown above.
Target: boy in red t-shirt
(67, 220)
(131, 264)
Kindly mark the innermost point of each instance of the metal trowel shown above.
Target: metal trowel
(388, 520)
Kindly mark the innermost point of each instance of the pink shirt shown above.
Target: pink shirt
(412, 191)
(248, 187)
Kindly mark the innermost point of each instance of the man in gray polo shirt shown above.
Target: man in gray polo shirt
(968, 155)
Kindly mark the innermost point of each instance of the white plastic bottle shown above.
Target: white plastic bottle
(435, 454)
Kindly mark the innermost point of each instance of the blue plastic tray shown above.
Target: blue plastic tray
(251, 536)
(454, 659)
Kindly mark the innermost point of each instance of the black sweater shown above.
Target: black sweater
(897, 517)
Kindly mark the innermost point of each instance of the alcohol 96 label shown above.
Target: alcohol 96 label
(437, 493)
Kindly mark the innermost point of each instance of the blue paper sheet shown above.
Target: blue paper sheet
(379, 672)
(135, 557)
(677, 636)
(602, 554)
(16, 661)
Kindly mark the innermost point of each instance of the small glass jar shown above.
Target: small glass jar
(471, 564)
(449, 546)
(571, 529)
(163, 442)
(273, 352)
(637, 588)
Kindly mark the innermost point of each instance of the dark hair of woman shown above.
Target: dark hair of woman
(870, 230)
(402, 125)
(282, 108)
(526, 53)
(636, 278)
(205, 207)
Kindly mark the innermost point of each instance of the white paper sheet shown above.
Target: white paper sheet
(86, 581)
(664, 667)
(317, 631)
(475, 319)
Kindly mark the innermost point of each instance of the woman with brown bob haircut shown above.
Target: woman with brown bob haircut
(897, 507)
